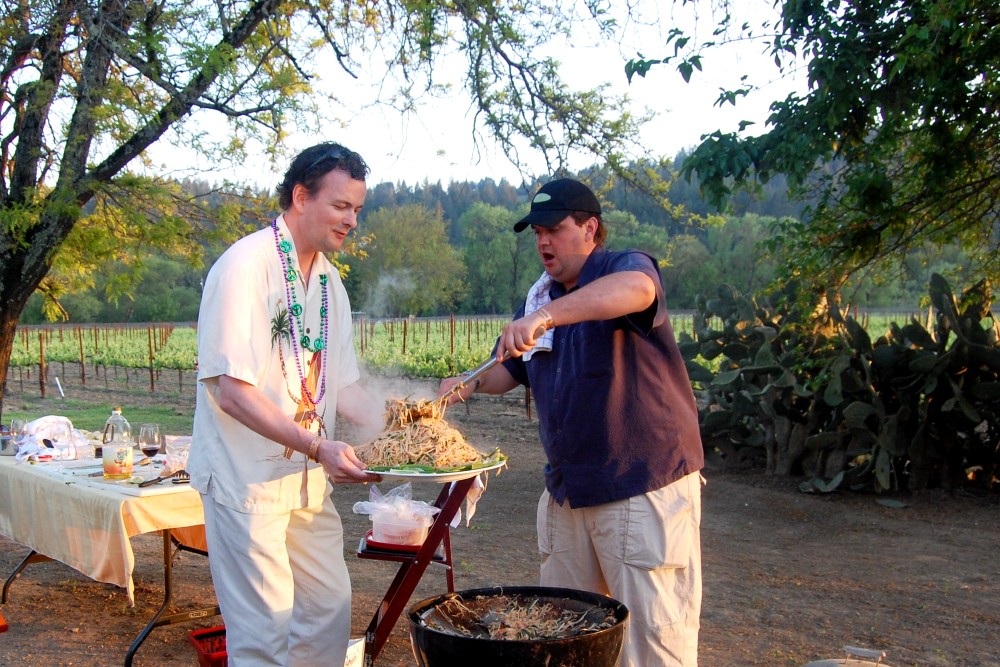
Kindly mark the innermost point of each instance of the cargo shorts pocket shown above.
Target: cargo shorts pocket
(549, 540)
(659, 529)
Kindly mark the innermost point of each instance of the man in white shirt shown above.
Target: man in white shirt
(276, 364)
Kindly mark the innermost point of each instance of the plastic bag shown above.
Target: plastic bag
(176, 450)
(396, 506)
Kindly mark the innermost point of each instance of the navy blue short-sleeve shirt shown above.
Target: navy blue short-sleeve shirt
(617, 414)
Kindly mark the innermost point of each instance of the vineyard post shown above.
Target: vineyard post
(149, 338)
(451, 334)
(41, 362)
(405, 327)
(83, 361)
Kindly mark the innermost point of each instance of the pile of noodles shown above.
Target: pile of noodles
(514, 617)
(417, 435)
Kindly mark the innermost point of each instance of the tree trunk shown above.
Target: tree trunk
(8, 327)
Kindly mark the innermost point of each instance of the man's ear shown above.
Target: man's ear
(300, 194)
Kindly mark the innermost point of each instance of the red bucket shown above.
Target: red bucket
(210, 645)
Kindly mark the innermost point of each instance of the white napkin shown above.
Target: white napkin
(30, 447)
(538, 297)
(471, 498)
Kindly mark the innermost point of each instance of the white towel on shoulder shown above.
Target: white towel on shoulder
(538, 297)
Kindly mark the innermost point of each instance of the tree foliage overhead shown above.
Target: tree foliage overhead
(87, 87)
(901, 114)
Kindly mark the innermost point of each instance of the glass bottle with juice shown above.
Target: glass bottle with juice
(117, 448)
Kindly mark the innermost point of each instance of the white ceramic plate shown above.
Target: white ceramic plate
(436, 476)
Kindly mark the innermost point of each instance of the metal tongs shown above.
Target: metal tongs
(476, 373)
(467, 378)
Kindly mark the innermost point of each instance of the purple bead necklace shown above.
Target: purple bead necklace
(317, 345)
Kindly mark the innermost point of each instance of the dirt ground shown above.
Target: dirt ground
(788, 577)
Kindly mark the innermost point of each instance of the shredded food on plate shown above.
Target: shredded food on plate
(417, 437)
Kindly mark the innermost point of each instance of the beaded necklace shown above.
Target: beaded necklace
(295, 309)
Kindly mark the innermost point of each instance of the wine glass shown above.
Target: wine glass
(18, 432)
(62, 439)
(149, 439)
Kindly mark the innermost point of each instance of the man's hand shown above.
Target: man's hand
(522, 334)
(342, 464)
(447, 384)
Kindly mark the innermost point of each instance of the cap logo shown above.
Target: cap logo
(541, 198)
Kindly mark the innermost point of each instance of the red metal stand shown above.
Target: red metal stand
(413, 566)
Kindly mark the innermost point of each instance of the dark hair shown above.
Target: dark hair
(581, 218)
(314, 163)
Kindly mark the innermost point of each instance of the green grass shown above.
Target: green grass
(90, 417)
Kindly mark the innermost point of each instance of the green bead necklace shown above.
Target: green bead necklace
(318, 344)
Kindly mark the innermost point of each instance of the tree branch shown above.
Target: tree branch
(182, 103)
(38, 98)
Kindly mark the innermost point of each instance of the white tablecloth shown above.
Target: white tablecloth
(87, 524)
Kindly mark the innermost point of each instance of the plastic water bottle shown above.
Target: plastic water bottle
(117, 446)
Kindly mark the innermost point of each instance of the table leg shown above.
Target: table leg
(406, 579)
(160, 618)
(32, 557)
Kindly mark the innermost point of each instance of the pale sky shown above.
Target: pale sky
(434, 143)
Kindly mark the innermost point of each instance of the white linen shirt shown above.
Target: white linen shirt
(243, 313)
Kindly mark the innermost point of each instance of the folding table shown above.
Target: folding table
(88, 525)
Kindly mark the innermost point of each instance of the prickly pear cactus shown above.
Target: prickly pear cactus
(809, 393)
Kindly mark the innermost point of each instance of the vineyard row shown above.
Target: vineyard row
(416, 347)
(430, 347)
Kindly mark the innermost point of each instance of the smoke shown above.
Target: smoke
(391, 290)
(385, 388)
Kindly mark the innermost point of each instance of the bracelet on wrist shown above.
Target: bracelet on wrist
(313, 450)
(549, 323)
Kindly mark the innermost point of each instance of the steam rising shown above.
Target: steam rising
(392, 289)
(383, 388)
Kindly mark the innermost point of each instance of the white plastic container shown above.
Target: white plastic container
(390, 528)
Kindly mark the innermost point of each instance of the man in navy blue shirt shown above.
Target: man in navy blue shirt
(621, 510)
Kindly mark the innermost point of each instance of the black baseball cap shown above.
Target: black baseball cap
(557, 199)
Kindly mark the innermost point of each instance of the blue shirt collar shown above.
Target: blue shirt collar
(590, 272)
